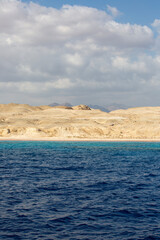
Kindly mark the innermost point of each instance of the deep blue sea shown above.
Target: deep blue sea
(79, 190)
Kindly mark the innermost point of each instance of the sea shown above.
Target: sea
(79, 190)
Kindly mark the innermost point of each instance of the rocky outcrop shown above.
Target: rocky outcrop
(81, 107)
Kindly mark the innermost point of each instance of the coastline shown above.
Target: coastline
(20, 122)
(75, 139)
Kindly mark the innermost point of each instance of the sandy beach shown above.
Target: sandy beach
(76, 139)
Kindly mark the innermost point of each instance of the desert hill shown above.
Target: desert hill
(80, 122)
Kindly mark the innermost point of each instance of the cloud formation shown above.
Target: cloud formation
(78, 54)
(114, 11)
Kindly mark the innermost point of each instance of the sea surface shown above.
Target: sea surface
(79, 190)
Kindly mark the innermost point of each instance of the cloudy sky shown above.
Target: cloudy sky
(80, 51)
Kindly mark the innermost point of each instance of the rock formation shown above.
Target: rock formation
(81, 107)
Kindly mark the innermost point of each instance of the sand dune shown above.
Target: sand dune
(21, 121)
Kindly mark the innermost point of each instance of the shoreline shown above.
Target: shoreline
(75, 139)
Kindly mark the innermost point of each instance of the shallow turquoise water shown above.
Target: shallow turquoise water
(79, 190)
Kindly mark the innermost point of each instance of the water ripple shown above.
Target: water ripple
(79, 190)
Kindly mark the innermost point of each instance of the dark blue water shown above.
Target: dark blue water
(79, 190)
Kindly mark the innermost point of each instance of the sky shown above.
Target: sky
(80, 51)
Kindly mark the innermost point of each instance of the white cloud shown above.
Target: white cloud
(125, 64)
(35, 25)
(74, 59)
(59, 84)
(114, 11)
(156, 23)
(76, 53)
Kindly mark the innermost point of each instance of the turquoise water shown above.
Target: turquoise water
(79, 190)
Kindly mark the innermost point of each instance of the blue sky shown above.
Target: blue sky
(133, 11)
(86, 52)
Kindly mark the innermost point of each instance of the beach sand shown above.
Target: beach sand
(75, 139)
